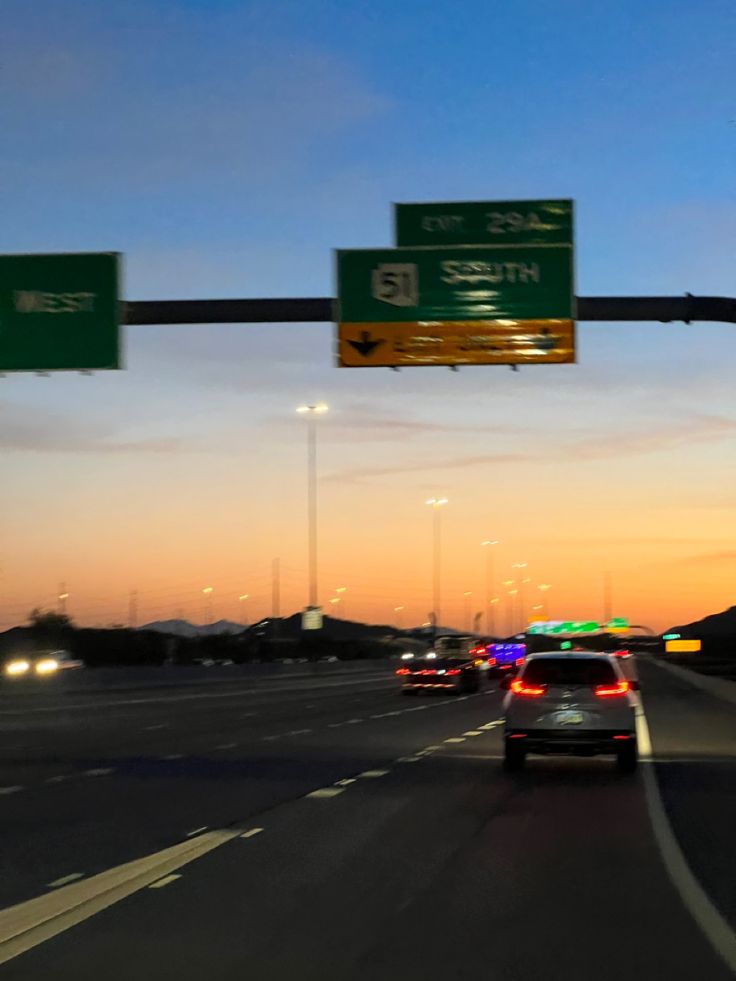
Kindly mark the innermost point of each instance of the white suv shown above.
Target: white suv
(570, 703)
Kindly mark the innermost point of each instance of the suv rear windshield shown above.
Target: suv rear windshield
(569, 671)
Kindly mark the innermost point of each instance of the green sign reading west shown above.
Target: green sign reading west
(59, 312)
(451, 284)
(490, 222)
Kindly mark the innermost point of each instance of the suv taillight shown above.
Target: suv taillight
(518, 687)
(402, 671)
(619, 688)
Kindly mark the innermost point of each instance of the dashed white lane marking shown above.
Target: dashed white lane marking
(98, 771)
(419, 708)
(227, 746)
(160, 725)
(65, 880)
(373, 773)
(56, 779)
(491, 725)
(409, 759)
(252, 833)
(10, 790)
(299, 732)
(346, 782)
(326, 792)
(167, 880)
(472, 732)
(431, 749)
(397, 712)
(694, 897)
(172, 756)
(197, 831)
(310, 706)
(335, 725)
(353, 722)
(269, 739)
(456, 739)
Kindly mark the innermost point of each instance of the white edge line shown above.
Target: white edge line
(66, 879)
(693, 896)
(252, 833)
(197, 831)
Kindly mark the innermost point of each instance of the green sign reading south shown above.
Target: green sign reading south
(59, 312)
(548, 222)
(452, 284)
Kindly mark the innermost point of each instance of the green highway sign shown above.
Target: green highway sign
(450, 284)
(548, 222)
(59, 312)
(671, 636)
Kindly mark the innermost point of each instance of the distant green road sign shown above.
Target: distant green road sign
(59, 312)
(451, 284)
(548, 222)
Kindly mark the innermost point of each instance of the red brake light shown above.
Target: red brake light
(491, 661)
(453, 671)
(620, 653)
(402, 671)
(519, 662)
(620, 688)
(533, 691)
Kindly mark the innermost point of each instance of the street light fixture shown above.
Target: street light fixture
(490, 617)
(208, 591)
(243, 616)
(543, 587)
(436, 503)
(341, 590)
(312, 413)
(399, 610)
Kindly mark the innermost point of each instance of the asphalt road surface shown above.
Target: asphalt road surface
(359, 835)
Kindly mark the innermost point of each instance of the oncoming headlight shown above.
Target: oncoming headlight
(17, 667)
(47, 666)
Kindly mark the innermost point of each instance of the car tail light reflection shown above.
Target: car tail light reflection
(453, 671)
(530, 691)
(605, 691)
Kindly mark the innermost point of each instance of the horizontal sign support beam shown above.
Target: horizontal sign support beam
(609, 309)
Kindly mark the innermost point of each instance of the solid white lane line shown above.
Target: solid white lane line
(197, 831)
(698, 903)
(456, 739)
(100, 771)
(326, 792)
(370, 774)
(10, 790)
(66, 879)
(167, 880)
(252, 833)
(398, 712)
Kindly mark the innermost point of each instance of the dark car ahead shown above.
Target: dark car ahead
(442, 674)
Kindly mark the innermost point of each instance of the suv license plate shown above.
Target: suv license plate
(569, 718)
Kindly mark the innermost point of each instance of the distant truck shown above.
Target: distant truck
(455, 645)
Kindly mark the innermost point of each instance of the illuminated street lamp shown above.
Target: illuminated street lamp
(243, 615)
(341, 590)
(543, 587)
(398, 610)
(436, 503)
(208, 591)
(312, 413)
(490, 618)
(466, 596)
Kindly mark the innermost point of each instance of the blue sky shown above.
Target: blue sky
(226, 149)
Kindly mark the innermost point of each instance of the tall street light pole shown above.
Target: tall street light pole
(436, 503)
(543, 587)
(312, 412)
(490, 618)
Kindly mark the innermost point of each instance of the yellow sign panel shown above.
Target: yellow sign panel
(455, 342)
(682, 646)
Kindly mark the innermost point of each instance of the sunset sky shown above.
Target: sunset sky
(226, 148)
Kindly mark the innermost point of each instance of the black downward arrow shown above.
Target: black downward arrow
(365, 345)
